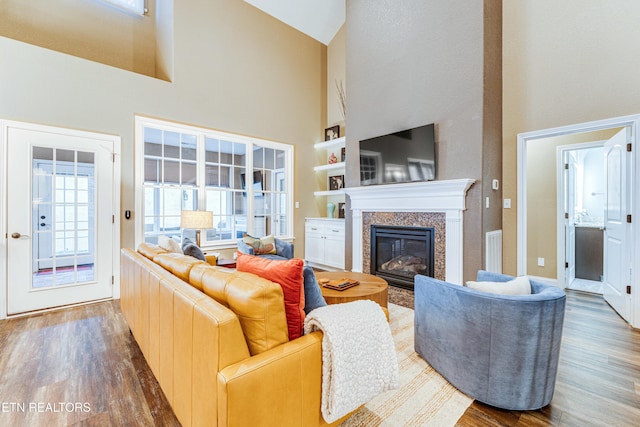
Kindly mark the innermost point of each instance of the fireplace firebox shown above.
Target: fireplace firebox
(398, 253)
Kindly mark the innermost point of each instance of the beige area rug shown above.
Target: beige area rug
(424, 398)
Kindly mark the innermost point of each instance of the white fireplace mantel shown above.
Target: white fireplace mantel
(447, 196)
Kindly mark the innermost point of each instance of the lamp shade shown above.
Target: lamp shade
(196, 219)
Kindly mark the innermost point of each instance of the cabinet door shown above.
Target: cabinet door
(334, 246)
(314, 244)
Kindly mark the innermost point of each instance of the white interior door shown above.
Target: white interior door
(60, 228)
(617, 256)
(570, 188)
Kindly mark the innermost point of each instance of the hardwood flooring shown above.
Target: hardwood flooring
(81, 366)
(77, 366)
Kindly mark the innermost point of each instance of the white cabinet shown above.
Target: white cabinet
(324, 242)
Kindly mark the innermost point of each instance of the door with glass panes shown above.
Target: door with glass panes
(60, 196)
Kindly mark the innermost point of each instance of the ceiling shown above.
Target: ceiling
(320, 19)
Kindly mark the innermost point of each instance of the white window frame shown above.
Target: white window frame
(142, 122)
(132, 6)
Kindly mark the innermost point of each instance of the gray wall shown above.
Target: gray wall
(413, 62)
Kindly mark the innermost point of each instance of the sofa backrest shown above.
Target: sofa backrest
(258, 303)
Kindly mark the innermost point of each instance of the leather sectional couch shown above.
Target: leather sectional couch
(216, 341)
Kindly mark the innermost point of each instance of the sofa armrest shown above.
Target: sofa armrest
(244, 248)
(284, 248)
(283, 383)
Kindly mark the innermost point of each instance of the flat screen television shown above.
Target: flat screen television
(405, 156)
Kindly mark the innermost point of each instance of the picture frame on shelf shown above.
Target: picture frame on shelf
(336, 182)
(341, 210)
(343, 154)
(332, 133)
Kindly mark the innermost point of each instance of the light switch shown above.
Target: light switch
(507, 203)
(486, 203)
(540, 262)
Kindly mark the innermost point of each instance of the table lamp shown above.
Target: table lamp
(198, 220)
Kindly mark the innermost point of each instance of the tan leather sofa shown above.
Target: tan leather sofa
(217, 366)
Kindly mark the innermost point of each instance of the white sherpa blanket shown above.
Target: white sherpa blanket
(358, 355)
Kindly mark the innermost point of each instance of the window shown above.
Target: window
(246, 182)
(135, 6)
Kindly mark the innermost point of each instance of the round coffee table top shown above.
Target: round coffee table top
(371, 288)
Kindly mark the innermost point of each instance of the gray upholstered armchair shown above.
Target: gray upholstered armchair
(499, 349)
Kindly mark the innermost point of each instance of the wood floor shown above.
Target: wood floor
(80, 366)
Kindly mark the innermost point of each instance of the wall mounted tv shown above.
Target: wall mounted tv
(404, 156)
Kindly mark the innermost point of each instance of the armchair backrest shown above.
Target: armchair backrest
(499, 349)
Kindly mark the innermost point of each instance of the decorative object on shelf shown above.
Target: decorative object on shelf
(198, 220)
(330, 210)
(342, 98)
(333, 159)
(332, 133)
(336, 182)
(343, 154)
(341, 210)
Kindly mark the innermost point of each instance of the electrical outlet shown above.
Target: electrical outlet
(507, 203)
(540, 262)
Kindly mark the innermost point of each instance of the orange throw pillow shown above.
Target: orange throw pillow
(288, 274)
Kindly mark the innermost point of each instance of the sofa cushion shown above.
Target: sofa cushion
(150, 251)
(287, 274)
(258, 303)
(264, 245)
(169, 245)
(518, 286)
(178, 264)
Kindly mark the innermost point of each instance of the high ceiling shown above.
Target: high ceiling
(320, 19)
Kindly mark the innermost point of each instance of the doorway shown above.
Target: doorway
(62, 238)
(536, 240)
(581, 205)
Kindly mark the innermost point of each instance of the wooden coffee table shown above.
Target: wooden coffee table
(371, 287)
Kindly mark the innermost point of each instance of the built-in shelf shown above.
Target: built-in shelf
(329, 193)
(330, 144)
(329, 167)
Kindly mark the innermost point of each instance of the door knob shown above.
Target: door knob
(19, 236)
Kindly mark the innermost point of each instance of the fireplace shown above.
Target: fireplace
(398, 253)
(438, 204)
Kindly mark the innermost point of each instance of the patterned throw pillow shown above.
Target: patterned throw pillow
(261, 246)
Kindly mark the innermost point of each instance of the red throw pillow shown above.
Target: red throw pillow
(288, 274)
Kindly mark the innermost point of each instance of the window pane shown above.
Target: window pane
(189, 173)
(172, 145)
(152, 170)
(212, 175)
(240, 154)
(226, 152)
(188, 147)
(171, 171)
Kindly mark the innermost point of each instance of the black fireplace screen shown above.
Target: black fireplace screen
(399, 253)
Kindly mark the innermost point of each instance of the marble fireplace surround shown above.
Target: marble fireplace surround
(413, 203)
